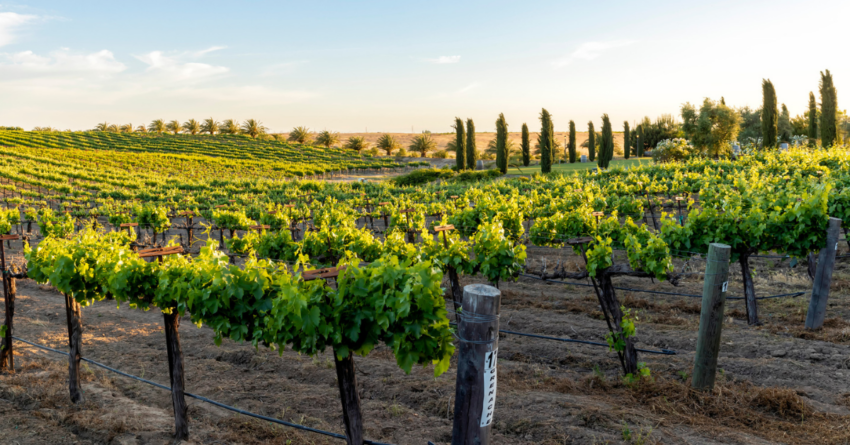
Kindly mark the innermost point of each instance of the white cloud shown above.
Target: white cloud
(281, 68)
(10, 22)
(590, 51)
(468, 88)
(64, 61)
(173, 68)
(208, 50)
(444, 59)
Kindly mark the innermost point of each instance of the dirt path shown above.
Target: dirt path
(779, 384)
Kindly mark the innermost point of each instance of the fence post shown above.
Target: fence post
(75, 348)
(475, 391)
(823, 276)
(175, 373)
(7, 356)
(711, 316)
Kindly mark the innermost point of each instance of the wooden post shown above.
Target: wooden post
(711, 316)
(823, 276)
(171, 323)
(454, 280)
(7, 357)
(190, 226)
(351, 414)
(175, 372)
(75, 352)
(475, 391)
(749, 290)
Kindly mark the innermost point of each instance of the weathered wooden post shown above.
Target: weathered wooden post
(475, 391)
(823, 276)
(171, 323)
(7, 356)
(711, 316)
(74, 315)
(454, 281)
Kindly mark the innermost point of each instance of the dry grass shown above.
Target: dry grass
(834, 330)
(774, 413)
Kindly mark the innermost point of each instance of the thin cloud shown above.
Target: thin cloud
(444, 59)
(282, 68)
(10, 23)
(468, 88)
(174, 68)
(460, 92)
(208, 50)
(590, 51)
(61, 62)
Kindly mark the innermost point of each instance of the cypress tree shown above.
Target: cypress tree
(606, 150)
(828, 109)
(471, 152)
(626, 140)
(526, 146)
(572, 146)
(460, 144)
(502, 143)
(546, 141)
(813, 120)
(784, 128)
(769, 114)
(591, 142)
(639, 147)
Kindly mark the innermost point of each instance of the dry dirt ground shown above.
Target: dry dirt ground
(778, 384)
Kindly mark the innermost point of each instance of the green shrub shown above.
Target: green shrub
(671, 150)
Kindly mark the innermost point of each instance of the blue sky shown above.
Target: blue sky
(397, 66)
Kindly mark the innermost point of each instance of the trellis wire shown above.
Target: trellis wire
(204, 399)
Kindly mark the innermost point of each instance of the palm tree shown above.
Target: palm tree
(192, 126)
(157, 126)
(357, 143)
(173, 126)
(492, 151)
(113, 128)
(230, 126)
(126, 128)
(423, 143)
(253, 128)
(210, 126)
(102, 127)
(141, 129)
(388, 143)
(300, 135)
(327, 138)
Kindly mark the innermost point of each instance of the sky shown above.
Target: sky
(407, 66)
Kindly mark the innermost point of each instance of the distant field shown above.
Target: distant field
(267, 158)
(481, 139)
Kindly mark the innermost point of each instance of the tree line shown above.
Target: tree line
(250, 127)
(710, 128)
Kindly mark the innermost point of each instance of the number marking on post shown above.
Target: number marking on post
(490, 388)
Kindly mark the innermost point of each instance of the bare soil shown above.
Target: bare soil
(778, 384)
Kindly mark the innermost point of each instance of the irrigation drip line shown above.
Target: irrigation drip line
(792, 294)
(585, 342)
(204, 399)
